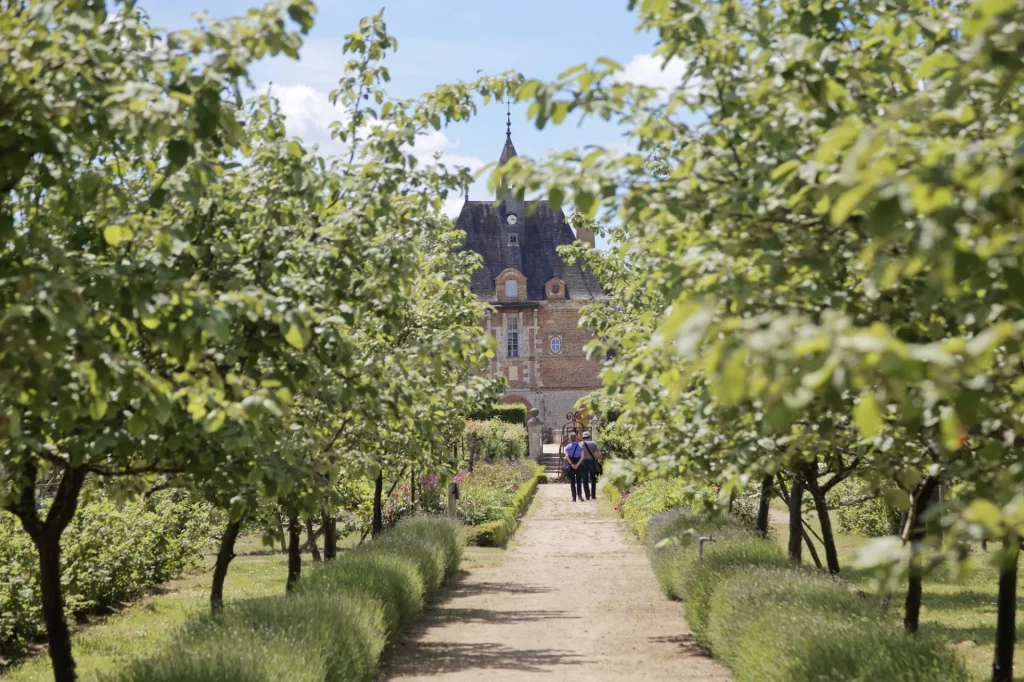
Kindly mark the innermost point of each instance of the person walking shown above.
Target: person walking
(591, 464)
(574, 467)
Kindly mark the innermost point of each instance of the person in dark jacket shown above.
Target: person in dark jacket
(591, 457)
(574, 470)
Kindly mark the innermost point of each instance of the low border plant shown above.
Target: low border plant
(333, 628)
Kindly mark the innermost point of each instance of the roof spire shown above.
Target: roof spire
(509, 150)
(508, 119)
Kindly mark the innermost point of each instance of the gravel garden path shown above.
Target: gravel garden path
(574, 598)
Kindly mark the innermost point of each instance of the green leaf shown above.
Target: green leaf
(986, 513)
(848, 202)
(867, 415)
(297, 336)
(951, 430)
(898, 498)
(214, 421)
(115, 234)
(179, 152)
(785, 169)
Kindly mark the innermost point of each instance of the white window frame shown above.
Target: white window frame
(511, 288)
(555, 341)
(512, 336)
(513, 239)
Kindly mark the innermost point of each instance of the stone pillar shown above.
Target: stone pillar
(534, 436)
(593, 427)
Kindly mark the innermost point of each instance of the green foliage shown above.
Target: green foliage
(620, 441)
(113, 551)
(734, 548)
(808, 627)
(490, 534)
(494, 440)
(332, 629)
(510, 413)
(854, 514)
(770, 621)
(221, 305)
(837, 297)
(497, 494)
(642, 503)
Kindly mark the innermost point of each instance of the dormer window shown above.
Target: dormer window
(511, 288)
(513, 240)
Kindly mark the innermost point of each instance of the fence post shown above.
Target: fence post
(534, 436)
(593, 427)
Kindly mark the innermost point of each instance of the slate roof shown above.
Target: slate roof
(540, 230)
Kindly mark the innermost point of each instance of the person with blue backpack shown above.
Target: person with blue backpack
(574, 469)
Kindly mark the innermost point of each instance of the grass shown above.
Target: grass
(106, 644)
(957, 612)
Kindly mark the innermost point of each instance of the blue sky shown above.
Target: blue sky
(443, 41)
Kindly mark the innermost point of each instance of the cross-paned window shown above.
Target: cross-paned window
(512, 337)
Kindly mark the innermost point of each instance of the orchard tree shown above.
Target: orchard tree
(112, 338)
(824, 215)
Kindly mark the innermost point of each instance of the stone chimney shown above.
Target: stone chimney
(586, 236)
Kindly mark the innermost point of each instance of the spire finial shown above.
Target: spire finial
(508, 117)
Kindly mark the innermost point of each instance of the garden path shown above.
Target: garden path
(573, 599)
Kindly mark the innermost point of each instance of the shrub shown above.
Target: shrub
(809, 627)
(494, 440)
(506, 412)
(497, 494)
(392, 581)
(619, 441)
(733, 549)
(447, 534)
(331, 638)
(333, 628)
(872, 517)
(639, 505)
(492, 534)
(111, 552)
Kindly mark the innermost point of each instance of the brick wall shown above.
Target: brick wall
(548, 380)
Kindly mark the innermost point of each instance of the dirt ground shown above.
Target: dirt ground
(573, 599)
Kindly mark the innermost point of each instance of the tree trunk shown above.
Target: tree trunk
(796, 495)
(378, 512)
(330, 535)
(827, 536)
(763, 505)
(294, 552)
(311, 539)
(1006, 625)
(412, 489)
(58, 635)
(810, 548)
(46, 535)
(914, 532)
(220, 570)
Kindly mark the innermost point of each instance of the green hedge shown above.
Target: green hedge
(506, 412)
(111, 552)
(494, 440)
(332, 629)
(642, 503)
(770, 621)
(497, 532)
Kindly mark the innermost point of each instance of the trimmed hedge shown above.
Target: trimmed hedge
(498, 532)
(510, 413)
(770, 621)
(110, 553)
(494, 441)
(332, 629)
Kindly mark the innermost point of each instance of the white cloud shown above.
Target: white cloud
(652, 71)
(309, 113)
